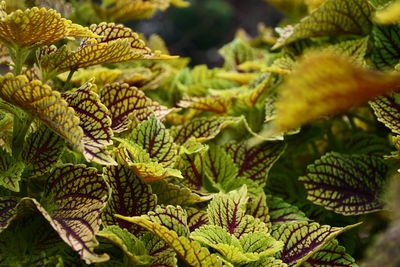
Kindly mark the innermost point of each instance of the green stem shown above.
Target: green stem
(19, 56)
(20, 128)
(67, 82)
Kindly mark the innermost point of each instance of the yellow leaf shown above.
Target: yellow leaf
(116, 44)
(326, 84)
(126, 10)
(390, 14)
(180, 3)
(37, 27)
(47, 104)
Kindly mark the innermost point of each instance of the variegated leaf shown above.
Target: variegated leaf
(215, 104)
(139, 160)
(311, 97)
(45, 103)
(258, 208)
(116, 44)
(126, 10)
(8, 211)
(355, 50)
(202, 129)
(387, 111)
(282, 212)
(154, 138)
(42, 150)
(73, 199)
(303, 239)
(131, 196)
(330, 255)
(333, 17)
(196, 218)
(385, 54)
(219, 166)
(171, 194)
(267, 261)
(192, 168)
(249, 248)
(172, 217)
(188, 251)
(37, 27)
(95, 122)
(122, 100)
(346, 184)
(128, 243)
(254, 163)
(10, 171)
(163, 255)
(236, 53)
(229, 212)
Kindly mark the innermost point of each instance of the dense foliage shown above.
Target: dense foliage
(116, 153)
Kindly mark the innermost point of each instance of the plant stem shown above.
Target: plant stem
(20, 128)
(67, 82)
(19, 56)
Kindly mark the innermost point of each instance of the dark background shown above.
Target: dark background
(199, 30)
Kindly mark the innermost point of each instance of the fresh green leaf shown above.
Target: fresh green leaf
(188, 251)
(10, 171)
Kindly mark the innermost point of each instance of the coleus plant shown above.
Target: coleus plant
(119, 154)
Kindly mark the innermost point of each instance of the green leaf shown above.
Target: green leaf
(130, 245)
(203, 129)
(380, 3)
(346, 184)
(196, 218)
(163, 255)
(387, 111)
(8, 211)
(123, 100)
(258, 208)
(353, 49)
(248, 248)
(330, 255)
(42, 150)
(154, 138)
(137, 159)
(386, 51)
(266, 261)
(192, 168)
(47, 104)
(219, 166)
(255, 162)
(229, 212)
(282, 212)
(95, 122)
(73, 199)
(130, 196)
(172, 217)
(10, 171)
(227, 245)
(332, 18)
(303, 239)
(171, 194)
(188, 251)
(235, 53)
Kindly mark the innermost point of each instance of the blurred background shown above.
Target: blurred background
(199, 30)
